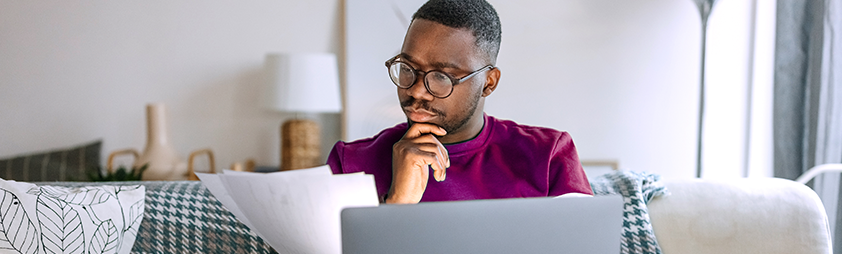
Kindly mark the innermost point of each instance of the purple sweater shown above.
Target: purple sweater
(506, 160)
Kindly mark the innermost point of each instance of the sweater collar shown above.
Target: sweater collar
(475, 142)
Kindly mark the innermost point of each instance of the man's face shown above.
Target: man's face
(432, 46)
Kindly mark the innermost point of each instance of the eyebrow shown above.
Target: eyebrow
(436, 65)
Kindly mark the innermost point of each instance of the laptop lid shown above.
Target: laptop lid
(531, 225)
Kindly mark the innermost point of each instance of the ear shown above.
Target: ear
(491, 79)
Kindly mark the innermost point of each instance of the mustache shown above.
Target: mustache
(425, 105)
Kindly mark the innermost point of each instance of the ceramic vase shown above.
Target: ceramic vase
(164, 162)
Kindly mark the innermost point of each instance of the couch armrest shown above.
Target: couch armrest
(753, 215)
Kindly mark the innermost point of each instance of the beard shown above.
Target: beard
(449, 124)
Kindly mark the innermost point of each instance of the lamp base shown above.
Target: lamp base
(300, 144)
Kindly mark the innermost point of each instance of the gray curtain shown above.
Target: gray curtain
(808, 97)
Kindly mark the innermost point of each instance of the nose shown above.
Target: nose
(419, 91)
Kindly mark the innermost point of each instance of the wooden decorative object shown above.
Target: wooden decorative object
(110, 164)
(160, 157)
(300, 144)
(191, 172)
(248, 166)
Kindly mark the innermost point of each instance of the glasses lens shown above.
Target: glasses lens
(402, 74)
(439, 83)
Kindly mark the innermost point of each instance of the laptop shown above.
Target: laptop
(530, 225)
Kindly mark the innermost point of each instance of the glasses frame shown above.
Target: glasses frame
(423, 75)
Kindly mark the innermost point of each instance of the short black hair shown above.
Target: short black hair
(478, 16)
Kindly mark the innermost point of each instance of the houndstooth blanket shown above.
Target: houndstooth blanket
(637, 189)
(183, 217)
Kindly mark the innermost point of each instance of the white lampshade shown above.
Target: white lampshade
(307, 83)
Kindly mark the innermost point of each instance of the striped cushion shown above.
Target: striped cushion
(69, 164)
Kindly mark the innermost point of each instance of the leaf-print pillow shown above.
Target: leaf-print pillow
(54, 219)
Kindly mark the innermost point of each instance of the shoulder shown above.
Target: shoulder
(355, 156)
(534, 134)
(388, 136)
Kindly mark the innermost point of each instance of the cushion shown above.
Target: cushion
(637, 189)
(56, 219)
(69, 164)
(183, 217)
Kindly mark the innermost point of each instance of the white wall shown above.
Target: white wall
(74, 71)
(620, 76)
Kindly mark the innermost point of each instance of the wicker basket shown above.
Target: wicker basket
(300, 144)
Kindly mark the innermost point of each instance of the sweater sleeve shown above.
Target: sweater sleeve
(334, 160)
(566, 174)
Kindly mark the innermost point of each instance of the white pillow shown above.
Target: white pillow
(54, 219)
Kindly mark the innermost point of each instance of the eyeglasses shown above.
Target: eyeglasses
(438, 83)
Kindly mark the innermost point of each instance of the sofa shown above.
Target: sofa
(745, 215)
(680, 216)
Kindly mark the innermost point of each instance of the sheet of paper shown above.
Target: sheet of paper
(219, 190)
(295, 211)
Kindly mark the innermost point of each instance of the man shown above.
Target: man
(445, 70)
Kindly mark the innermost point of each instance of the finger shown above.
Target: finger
(444, 160)
(444, 154)
(419, 129)
(441, 152)
(428, 158)
(439, 168)
(439, 175)
(426, 148)
(438, 171)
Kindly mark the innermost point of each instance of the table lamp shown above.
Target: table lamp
(302, 83)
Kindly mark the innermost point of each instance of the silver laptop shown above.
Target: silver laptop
(531, 225)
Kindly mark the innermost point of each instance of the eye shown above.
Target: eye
(406, 75)
(405, 69)
(440, 77)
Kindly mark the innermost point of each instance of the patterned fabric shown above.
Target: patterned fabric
(58, 219)
(183, 217)
(637, 189)
(71, 164)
